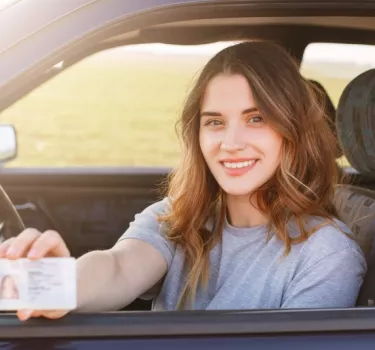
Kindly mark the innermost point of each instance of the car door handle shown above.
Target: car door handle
(26, 206)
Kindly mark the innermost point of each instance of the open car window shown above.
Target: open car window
(96, 103)
(116, 105)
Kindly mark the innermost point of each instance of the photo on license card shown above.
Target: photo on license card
(13, 284)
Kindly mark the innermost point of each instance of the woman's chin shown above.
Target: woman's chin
(238, 192)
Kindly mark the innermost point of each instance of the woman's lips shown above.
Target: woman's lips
(238, 168)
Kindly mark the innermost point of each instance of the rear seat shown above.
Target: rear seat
(355, 125)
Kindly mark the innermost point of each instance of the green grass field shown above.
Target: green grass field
(113, 111)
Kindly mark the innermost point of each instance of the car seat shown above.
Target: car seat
(355, 125)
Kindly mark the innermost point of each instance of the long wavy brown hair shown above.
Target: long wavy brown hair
(303, 184)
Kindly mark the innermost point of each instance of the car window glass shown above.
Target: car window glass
(115, 108)
(335, 65)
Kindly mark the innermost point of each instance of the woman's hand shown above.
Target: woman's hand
(34, 245)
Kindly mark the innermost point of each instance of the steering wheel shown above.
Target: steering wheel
(11, 223)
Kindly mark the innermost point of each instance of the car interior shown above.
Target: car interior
(83, 205)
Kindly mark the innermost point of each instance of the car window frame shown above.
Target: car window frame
(192, 323)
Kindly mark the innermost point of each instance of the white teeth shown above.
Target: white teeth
(232, 165)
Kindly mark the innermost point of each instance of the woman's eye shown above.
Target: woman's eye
(213, 122)
(256, 119)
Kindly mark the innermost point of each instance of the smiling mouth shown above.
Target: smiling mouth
(239, 165)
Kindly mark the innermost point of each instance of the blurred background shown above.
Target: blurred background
(119, 107)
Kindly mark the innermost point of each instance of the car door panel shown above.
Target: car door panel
(274, 342)
(90, 209)
(230, 329)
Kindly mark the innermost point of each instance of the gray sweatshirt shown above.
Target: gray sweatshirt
(325, 271)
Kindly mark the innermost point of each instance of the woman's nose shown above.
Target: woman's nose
(232, 147)
(232, 144)
(233, 140)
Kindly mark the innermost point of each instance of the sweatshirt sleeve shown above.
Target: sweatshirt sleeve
(147, 228)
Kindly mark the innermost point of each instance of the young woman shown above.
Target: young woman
(248, 219)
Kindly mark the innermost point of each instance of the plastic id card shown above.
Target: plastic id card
(45, 284)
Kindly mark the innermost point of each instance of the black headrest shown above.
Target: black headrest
(330, 110)
(355, 122)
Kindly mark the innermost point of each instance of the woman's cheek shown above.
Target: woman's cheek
(210, 141)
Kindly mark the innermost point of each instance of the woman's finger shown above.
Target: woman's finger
(50, 243)
(5, 246)
(24, 315)
(54, 314)
(22, 243)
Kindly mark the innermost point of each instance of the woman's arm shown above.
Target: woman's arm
(111, 279)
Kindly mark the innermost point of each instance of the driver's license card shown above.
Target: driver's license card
(48, 283)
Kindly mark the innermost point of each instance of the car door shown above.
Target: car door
(257, 329)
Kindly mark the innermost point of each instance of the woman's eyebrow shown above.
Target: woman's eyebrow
(210, 114)
(218, 114)
(250, 110)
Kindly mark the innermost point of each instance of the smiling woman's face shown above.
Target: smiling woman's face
(240, 149)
